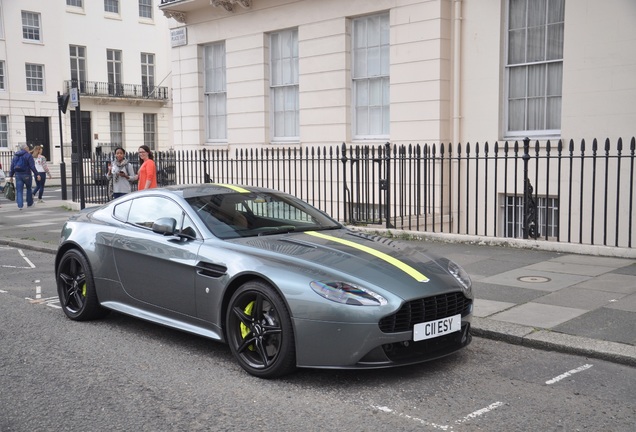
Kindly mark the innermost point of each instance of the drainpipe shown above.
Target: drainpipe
(457, 33)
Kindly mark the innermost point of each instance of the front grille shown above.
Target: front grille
(426, 309)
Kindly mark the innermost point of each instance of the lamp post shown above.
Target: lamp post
(62, 103)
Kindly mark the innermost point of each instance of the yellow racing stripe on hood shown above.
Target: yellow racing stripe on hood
(376, 253)
(234, 188)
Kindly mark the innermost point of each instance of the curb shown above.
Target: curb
(552, 341)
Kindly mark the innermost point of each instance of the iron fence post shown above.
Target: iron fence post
(529, 227)
(387, 184)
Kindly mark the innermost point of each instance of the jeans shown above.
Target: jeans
(39, 185)
(22, 180)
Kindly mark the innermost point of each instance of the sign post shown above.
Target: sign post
(75, 102)
(62, 103)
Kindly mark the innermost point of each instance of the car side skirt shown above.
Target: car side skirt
(162, 320)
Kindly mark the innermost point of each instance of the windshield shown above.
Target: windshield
(232, 215)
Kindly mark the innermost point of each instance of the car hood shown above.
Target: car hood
(356, 257)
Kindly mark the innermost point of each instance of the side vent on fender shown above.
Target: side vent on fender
(210, 270)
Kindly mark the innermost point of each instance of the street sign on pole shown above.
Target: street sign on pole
(74, 97)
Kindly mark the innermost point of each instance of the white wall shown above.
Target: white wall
(63, 26)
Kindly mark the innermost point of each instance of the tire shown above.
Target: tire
(259, 331)
(76, 288)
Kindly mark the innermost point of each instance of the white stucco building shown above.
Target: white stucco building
(305, 72)
(116, 52)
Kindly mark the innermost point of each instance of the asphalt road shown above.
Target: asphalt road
(121, 373)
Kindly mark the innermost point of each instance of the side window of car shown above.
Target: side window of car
(146, 210)
(121, 211)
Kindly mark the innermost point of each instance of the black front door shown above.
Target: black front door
(37, 133)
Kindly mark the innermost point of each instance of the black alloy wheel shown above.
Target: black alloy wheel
(76, 288)
(259, 331)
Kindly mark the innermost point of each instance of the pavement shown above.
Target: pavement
(558, 297)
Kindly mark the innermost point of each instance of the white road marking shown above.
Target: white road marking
(47, 300)
(470, 416)
(568, 373)
(26, 259)
(31, 265)
(3, 292)
(480, 412)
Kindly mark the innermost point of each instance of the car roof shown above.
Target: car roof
(203, 189)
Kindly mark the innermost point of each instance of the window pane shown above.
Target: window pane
(536, 44)
(554, 49)
(517, 14)
(284, 83)
(371, 67)
(535, 36)
(517, 114)
(556, 11)
(536, 80)
(215, 91)
(517, 84)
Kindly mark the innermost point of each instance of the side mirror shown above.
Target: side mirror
(164, 226)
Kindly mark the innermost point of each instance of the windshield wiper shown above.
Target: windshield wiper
(277, 230)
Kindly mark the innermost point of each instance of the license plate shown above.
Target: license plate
(440, 327)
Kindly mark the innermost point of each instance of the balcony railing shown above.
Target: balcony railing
(116, 90)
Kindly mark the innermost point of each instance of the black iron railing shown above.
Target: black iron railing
(583, 193)
(106, 89)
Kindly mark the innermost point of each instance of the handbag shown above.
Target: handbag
(9, 191)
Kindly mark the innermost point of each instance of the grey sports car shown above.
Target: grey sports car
(281, 282)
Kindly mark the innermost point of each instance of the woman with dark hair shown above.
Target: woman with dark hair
(43, 170)
(148, 169)
(120, 174)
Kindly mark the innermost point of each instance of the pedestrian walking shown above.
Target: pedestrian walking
(3, 178)
(22, 165)
(148, 169)
(120, 174)
(43, 170)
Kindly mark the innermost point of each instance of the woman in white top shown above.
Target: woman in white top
(43, 169)
(120, 174)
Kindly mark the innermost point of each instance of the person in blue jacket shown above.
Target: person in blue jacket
(22, 165)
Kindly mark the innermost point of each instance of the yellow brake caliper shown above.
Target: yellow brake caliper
(244, 329)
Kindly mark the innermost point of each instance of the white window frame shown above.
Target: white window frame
(512, 225)
(284, 88)
(116, 121)
(31, 26)
(4, 131)
(145, 9)
(534, 77)
(75, 3)
(111, 6)
(114, 67)
(150, 130)
(34, 74)
(370, 68)
(3, 77)
(215, 92)
(77, 59)
(147, 73)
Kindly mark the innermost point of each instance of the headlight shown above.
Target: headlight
(462, 277)
(346, 293)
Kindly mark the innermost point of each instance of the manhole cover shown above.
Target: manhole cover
(534, 279)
